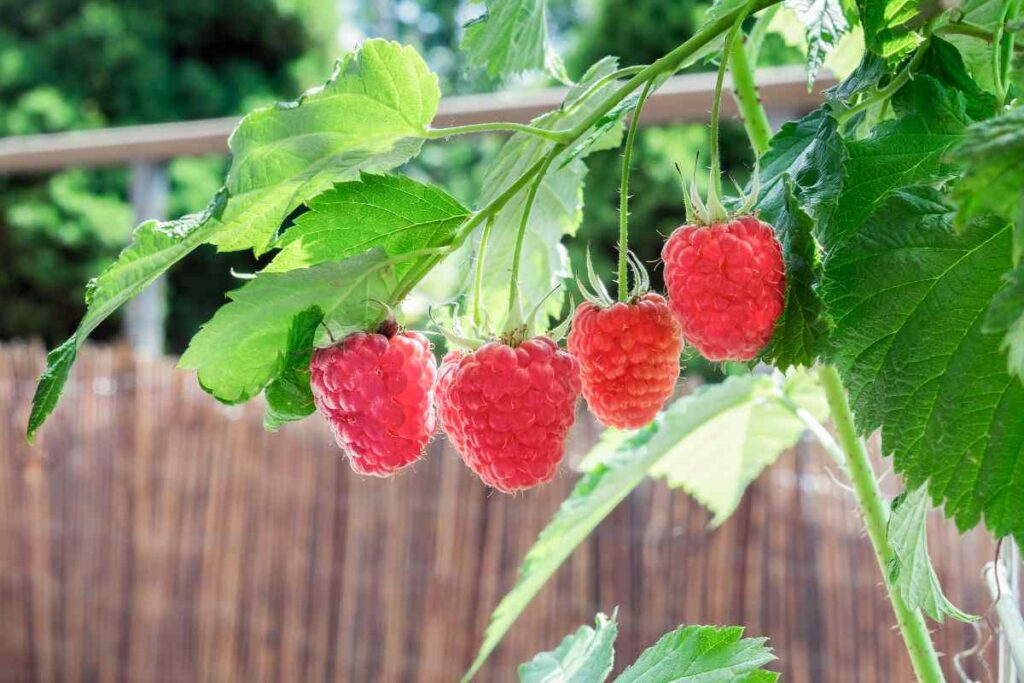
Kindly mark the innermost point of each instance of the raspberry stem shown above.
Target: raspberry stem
(627, 154)
(513, 287)
(717, 212)
(875, 511)
(478, 279)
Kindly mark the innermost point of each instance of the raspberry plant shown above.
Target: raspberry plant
(897, 208)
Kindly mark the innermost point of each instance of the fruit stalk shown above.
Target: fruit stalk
(875, 511)
(627, 155)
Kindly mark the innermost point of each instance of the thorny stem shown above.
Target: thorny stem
(875, 512)
(748, 101)
(496, 127)
(627, 155)
(481, 257)
(716, 211)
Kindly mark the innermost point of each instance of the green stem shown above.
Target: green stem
(513, 286)
(875, 512)
(717, 212)
(605, 80)
(478, 279)
(627, 154)
(496, 127)
(748, 101)
(883, 94)
(964, 28)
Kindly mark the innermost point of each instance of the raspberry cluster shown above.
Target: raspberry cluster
(508, 405)
(507, 410)
(376, 392)
(629, 358)
(726, 284)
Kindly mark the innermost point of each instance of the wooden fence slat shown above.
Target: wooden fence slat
(153, 535)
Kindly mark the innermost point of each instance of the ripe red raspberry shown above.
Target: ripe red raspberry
(726, 283)
(507, 410)
(375, 392)
(629, 358)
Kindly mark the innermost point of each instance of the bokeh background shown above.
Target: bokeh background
(152, 534)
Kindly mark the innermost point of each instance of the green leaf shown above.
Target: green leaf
(703, 654)
(624, 462)
(908, 295)
(943, 62)
(824, 24)
(977, 52)
(288, 395)
(393, 212)
(886, 29)
(992, 153)
(1006, 316)
(51, 384)
(863, 79)
(911, 570)
(155, 247)
(716, 462)
(583, 657)
(238, 351)
(901, 152)
(512, 38)
(557, 211)
(801, 179)
(811, 153)
(370, 116)
(801, 331)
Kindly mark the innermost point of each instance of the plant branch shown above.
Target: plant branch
(875, 512)
(496, 127)
(627, 154)
(748, 100)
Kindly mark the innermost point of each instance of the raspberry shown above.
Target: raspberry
(726, 283)
(629, 358)
(375, 392)
(507, 410)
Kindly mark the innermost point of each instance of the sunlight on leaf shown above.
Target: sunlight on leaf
(238, 351)
(716, 462)
(583, 657)
(370, 116)
(510, 38)
(708, 654)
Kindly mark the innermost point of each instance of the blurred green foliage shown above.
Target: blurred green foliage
(73, 64)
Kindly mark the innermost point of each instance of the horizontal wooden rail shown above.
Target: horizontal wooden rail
(683, 98)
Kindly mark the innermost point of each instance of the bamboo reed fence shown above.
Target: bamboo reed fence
(154, 535)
